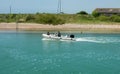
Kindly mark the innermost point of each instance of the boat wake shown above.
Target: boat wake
(46, 39)
(87, 40)
(99, 39)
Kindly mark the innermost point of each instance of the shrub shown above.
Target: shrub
(95, 14)
(29, 17)
(12, 16)
(49, 19)
(103, 18)
(83, 13)
(115, 18)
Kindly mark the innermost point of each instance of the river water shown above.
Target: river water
(30, 53)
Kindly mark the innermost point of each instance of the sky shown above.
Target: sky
(51, 6)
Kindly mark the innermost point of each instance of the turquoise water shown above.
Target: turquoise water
(30, 53)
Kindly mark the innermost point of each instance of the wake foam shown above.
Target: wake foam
(87, 40)
(46, 39)
(99, 39)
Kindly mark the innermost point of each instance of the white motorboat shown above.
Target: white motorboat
(53, 36)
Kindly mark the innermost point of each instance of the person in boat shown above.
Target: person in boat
(72, 36)
(48, 33)
(59, 34)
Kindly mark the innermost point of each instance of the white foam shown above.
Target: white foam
(99, 39)
(87, 40)
(46, 39)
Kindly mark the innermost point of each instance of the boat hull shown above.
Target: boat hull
(57, 38)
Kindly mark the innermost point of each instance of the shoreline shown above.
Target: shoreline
(87, 28)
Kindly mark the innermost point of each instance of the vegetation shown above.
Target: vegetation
(33, 18)
(59, 19)
(95, 14)
(82, 13)
(49, 19)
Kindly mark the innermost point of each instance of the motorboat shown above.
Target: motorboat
(56, 37)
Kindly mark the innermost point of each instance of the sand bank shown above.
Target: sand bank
(66, 27)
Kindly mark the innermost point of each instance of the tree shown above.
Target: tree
(83, 13)
(95, 14)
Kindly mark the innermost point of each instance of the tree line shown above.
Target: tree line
(58, 19)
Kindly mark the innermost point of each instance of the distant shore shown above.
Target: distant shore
(91, 28)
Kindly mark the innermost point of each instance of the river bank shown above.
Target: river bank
(96, 28)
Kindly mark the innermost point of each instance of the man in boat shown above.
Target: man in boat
(48, 33)
(59, 34)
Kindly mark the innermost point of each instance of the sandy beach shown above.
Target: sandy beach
(97, 28)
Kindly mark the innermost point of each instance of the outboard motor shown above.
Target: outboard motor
(72, 36)
(59, 34)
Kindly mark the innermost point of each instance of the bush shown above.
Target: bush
(49, 19)
(115, 18)
(29, 17)
(82, 13)
(103, 18)
(12, 16)
(95, 14)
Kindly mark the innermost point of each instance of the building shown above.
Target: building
(108, 11)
